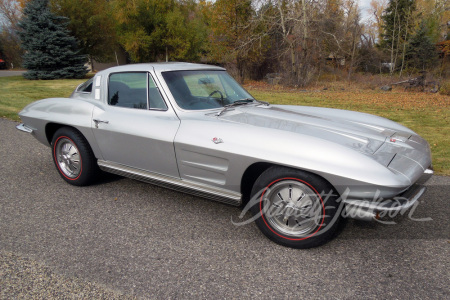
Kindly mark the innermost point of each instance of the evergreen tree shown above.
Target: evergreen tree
(395, 19)
(421, 52)
(51, 53)
(398, 25)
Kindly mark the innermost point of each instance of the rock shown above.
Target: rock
(435, 89)
(386, 88)
(274, 80)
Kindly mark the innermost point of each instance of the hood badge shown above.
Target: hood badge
(393, 140)
(217, 140)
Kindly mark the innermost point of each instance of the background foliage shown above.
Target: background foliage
(299, 40)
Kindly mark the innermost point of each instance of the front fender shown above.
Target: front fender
(244, 145)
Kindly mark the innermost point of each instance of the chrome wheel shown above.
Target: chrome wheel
(68, 157)
(293, 208)
(73, 157)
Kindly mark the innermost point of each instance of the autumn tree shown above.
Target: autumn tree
(374, 27)
(10, 13)
(231, 28)
(186, 34)
(51, 53)
(436, 15)
(331, 26)
(91, 22)
(288, 25)
(154, 30)
(261, 46)
(353, 32)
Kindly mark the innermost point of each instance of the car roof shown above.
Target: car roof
(160, 67)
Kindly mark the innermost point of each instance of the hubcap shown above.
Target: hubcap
(68, 158)
(292, 208)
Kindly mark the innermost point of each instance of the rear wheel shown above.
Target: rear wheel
(294, 208)
(73, 157)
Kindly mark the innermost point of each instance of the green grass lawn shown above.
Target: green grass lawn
(426, 114)
(17, 92)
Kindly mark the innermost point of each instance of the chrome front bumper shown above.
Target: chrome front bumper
(370, 210)
(24, 128)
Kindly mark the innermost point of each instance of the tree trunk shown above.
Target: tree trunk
(293, 62)
(398, 42)
(404, 42)
(290, 43)
(91, 63)
(305, 28)
(240, 67)
(392, 66)
(352, 57)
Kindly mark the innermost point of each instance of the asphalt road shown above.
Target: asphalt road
(4, 73)
(124, 238)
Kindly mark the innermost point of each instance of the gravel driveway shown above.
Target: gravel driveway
(122, 238)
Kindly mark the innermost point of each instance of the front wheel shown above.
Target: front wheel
(294, 208)
(73, 157)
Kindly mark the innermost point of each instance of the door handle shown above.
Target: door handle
(97, 121)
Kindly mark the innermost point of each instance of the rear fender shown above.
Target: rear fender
(46, 116)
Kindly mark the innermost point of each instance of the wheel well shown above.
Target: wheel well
(51, 128)
(254, 171)
(248, 179)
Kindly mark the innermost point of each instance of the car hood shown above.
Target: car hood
(362, 132)
(338, 128)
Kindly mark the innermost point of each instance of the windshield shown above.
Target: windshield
(206, 89)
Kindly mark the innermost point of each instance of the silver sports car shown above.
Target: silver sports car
(191, 127)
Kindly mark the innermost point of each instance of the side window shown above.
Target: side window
(154, 97)
(128, 90)
(86, 87)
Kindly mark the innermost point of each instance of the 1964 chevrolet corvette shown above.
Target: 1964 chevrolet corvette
(193, 128)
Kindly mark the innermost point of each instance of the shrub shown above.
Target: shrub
(445, 88)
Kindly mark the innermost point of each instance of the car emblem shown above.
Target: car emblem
(393, 140)
(217, 140)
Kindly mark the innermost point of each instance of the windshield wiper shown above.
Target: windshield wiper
(240, 102)
(262, 102)
(235, 103)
